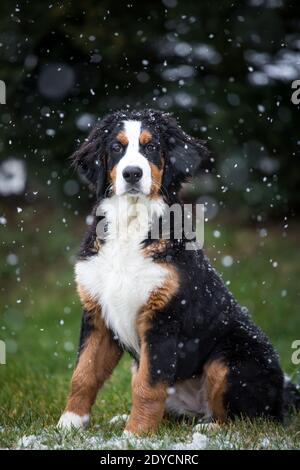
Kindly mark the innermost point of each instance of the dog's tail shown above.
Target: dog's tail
(291, 397)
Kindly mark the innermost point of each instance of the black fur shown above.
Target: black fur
(203, 322)
(90, 158)
(291, 398)
(85, 331)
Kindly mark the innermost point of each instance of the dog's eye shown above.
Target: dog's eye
(117, 147)
(150, 147)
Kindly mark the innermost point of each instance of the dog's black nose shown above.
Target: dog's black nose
(132, 174)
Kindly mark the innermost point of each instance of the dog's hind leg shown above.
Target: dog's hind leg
(215, 376)
(244, 388)
(98, 355)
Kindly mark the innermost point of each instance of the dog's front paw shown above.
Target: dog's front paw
(138, 429)
(69, 420)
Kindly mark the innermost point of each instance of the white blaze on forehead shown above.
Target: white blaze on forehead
(133, 157)
(132, 130)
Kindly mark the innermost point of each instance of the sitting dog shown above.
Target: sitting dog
(196, 350)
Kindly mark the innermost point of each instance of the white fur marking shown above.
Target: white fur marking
(69, 420)
(133, 157)
(189, 398)
(119, 277)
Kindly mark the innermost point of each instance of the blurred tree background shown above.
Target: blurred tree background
(225, 68)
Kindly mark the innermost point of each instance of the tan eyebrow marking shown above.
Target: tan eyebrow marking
(145, 137)
(122, 138)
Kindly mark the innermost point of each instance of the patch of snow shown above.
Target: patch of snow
(265, 442)
(77, 439)
(207, 426)
(30, 442)
(199, 441)
(118, 419)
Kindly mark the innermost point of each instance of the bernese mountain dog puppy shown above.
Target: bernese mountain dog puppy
(196, 351)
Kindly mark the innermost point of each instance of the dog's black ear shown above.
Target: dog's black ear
(90, 158)
(183, 153)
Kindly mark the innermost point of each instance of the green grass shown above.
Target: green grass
(40, 318)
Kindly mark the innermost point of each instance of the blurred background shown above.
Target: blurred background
(226, 70)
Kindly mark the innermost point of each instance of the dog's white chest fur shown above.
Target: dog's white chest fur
(120, 278)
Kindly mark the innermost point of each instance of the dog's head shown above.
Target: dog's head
(132, 152)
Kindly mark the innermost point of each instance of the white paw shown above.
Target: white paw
(69, 420)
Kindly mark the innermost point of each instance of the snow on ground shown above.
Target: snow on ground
(199, 441)
(30, 442)
(52, 439)
(202, 436)
(118, 419)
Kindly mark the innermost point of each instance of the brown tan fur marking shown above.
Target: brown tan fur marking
(157, 246)
(96, 362)
(158, 299)
(215, 377)
(87, 301)
(156, 178)
(122, 138)
(148, 399)
(145, 137)
(113, 175)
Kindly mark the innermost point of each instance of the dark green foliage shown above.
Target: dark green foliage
(201, 60)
